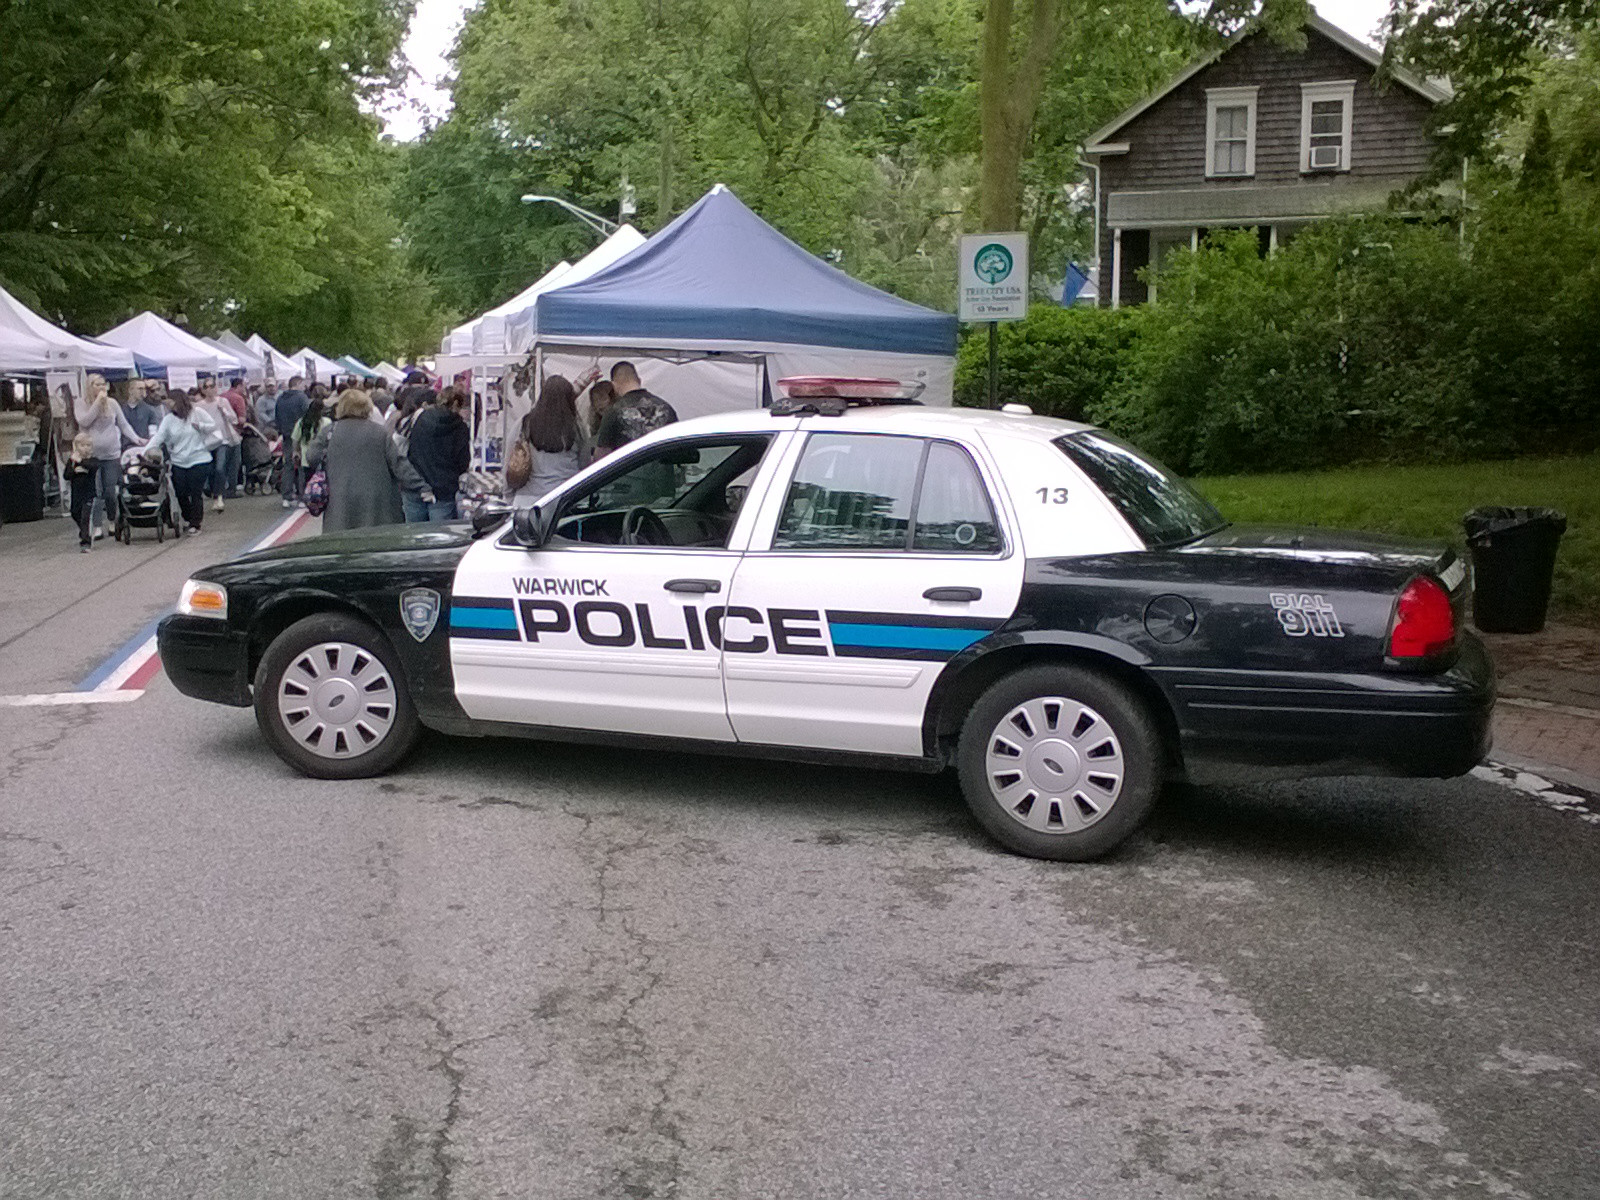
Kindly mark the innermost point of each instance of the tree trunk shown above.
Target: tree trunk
(664, 181)
(1010, 87)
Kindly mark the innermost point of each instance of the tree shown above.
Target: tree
(1013, 76)
(1538, 174)
(200, 158)
(1490, 50)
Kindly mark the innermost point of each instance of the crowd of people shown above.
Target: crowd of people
(383, 458)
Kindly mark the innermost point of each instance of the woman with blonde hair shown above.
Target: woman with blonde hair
(365, 470)
(99, 416)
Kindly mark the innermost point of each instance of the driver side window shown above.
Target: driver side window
(680, 494)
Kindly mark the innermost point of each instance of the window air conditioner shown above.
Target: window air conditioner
(1325, 158)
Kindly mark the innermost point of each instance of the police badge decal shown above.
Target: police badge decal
(419, 611)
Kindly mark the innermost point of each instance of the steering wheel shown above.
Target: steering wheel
(642, 527)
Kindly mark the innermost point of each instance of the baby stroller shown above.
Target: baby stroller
(146, 499)
(263, 461)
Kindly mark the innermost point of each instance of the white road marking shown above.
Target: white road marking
(52, 699)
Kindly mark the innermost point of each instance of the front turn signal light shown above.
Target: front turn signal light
(202, 599)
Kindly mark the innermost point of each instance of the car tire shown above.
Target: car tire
(1059, 762)
(337, 672)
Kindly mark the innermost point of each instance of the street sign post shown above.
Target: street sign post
(992, 286)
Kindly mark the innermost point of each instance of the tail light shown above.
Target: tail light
(1424, 623)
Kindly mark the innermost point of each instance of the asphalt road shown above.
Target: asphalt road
(515, 969)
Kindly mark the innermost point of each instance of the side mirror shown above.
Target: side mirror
(489, 515)
(530, 527)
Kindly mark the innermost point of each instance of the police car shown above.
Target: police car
(1028, 600)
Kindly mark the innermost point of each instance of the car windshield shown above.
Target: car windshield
(1161, 507)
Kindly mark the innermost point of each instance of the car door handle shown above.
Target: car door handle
(694, 585)
(953, 593)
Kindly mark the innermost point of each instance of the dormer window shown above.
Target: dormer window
(1325, 126)
(1230, 131)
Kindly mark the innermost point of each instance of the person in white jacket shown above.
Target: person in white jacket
(183, 433)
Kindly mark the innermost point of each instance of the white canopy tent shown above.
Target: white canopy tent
(521, 324)
(391, 373)
(249, 362)
(283, 367)
(503, 335)
(255, 364)
(322, 369)
(160, 347)
(24, 355)
(68, 351)
(463, 338)
(489, 330)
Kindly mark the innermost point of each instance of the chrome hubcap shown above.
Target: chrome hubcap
(1055, 765)
(337, 700)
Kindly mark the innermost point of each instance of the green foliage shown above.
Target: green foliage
(1362, 340)
(202, 158)
(1491, 51)
(851, 127)
(1429, 501)
(1062, 362)
(1343, 346)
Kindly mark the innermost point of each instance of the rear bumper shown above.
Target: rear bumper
(205, 659)
(1239, 724)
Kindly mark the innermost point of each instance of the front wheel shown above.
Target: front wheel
(1059, 762)
(331, 701)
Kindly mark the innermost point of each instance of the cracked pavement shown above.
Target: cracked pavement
(515, 969)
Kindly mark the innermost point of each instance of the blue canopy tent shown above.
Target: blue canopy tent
(719, 305)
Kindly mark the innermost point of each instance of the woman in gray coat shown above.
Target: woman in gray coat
(365, 469)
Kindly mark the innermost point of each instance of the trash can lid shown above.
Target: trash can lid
(1492, 519)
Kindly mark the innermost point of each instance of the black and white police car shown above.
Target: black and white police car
(1029, 600)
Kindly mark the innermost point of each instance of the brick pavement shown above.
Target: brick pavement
(1550, 697)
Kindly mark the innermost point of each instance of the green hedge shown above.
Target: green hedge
(1061, 361)
(1364, 340)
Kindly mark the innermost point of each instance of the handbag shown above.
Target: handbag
(519, 466)
(211, 432)
(317, 493)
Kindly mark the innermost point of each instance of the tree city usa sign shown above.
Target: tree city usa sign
(993, 283)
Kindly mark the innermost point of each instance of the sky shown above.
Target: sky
(436, 22)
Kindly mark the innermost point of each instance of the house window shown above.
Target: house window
(1231, 131)
(1325, 125)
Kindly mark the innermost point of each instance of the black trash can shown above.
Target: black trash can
(22, 492)
(1513, 564)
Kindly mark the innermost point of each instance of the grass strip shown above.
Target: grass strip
(1430, 502)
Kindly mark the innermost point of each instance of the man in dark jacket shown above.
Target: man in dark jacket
(292, 405)
(634, 413)
(441, 451)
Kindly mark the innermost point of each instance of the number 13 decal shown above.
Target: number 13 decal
(1051, 495)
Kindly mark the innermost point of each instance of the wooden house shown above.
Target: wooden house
(1254, 135)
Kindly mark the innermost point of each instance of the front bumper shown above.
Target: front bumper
(1285, 724)
(205, 659)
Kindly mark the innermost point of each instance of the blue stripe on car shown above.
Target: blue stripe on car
(482, 618)
(904, 637)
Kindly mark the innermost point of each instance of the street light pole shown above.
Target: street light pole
(594, 221)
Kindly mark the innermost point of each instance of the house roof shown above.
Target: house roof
(1435, 91)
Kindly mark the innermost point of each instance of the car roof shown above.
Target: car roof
(923, 420)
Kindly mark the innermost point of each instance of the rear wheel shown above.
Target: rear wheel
(331, 701)
(1059, 762)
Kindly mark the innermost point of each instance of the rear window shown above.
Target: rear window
(1161, 507)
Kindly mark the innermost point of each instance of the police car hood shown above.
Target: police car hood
(1383, 553)
(380, 539)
